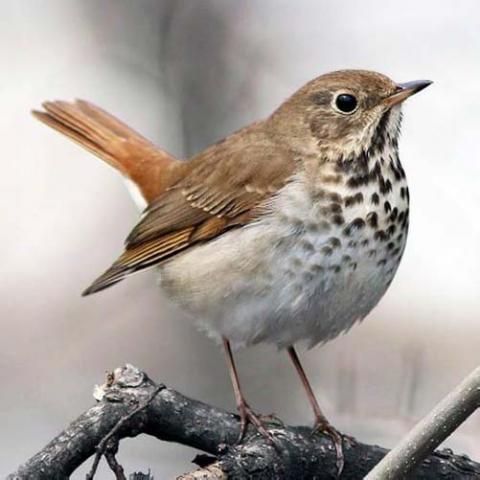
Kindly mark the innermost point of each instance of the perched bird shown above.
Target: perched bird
(287, 231)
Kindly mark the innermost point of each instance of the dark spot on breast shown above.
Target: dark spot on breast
(365, 242)
(380, 235)
(407, 193)
(353, 265)
(372, 219)
(326, 250)
(338, 219)
(346, 258)
(396, 252)
(335, 197)
(382, 262)
(391, 230)
(353, 199)
(396, 172)
(375, 199)
(334, 242)
(356, 224)
(402, 192)
(307, 246)
(390, 246)
(317, 269)
(335, 268)
(405, 220)
(358, 181)
(384, 185)
(376, 171)
(400, 217)
(352, 244)
(372, 253)
(387, 207)
(393, 215)
(335, 208)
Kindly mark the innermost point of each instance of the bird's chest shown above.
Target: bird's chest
(334, 232)
(339, 248)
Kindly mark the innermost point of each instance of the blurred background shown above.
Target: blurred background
(185, 74)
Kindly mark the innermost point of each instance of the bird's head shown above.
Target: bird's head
(338, 115)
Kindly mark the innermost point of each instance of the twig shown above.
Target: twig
(115, 467)
(432, 430)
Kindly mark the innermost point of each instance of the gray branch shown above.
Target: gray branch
(170, 416)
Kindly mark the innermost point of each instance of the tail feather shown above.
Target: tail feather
(149, 167)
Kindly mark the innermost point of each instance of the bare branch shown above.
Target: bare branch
(173, 417)
(422, 440)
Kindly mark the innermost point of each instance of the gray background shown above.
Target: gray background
(187, 73)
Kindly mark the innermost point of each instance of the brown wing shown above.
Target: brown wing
(226, 186)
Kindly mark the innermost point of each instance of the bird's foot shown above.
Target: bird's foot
(323, 426)
(272, 419)
(247, 415)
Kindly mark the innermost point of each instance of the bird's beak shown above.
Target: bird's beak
(406, 90)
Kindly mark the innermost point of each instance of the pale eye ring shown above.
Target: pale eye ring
(345, 103)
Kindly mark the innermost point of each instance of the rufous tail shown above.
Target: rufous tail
(152, 169)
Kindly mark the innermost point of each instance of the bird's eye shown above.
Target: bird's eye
(346, 103)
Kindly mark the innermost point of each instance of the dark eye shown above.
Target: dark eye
(346, 103)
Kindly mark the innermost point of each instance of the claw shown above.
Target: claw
(247, 415)
(324, 427)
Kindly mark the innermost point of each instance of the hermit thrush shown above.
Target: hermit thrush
(287, 231)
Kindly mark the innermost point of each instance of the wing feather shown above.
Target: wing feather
(223, 188)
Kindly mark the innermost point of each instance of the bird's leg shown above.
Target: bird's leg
(247, 415)
(321, 422)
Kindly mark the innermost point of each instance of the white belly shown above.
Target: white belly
(288, 277)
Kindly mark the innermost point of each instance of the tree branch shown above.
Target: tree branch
(170, 416)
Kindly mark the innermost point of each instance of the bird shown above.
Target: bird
(288, 231)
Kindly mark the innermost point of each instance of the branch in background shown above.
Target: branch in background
(430, 432)
(173, 417)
